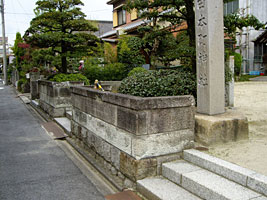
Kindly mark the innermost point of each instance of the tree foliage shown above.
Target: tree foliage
(61, 25)
(129, 52)
(18, 50)
(235, 21)
(176, 12)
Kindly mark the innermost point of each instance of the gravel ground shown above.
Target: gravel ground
(251, 100)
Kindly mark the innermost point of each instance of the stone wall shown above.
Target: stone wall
(132, 135)
(55, 97)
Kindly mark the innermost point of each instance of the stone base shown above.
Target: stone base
(230, 126)
(52, 111)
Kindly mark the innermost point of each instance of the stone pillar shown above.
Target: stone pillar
(34, 77)
(210, 57)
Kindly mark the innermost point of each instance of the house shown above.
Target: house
(103, 26)
(260, 49)
(250, 54)
(124, 22)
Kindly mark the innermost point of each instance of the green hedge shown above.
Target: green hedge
(110, 72)
(160, 83)
(69, 77)
(137, 70)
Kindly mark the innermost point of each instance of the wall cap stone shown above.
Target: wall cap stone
(134, 102)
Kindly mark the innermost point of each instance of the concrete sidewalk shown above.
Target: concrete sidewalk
(32, 166)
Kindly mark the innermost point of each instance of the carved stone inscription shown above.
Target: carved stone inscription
(202, 42)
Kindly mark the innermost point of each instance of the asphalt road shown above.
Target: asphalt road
(32, 166)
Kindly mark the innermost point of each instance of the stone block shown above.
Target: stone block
(230, 126)
(161, 144)
(218, 166)
(64, 92)
(258, 182)
(115, 156)
(137, 169)
(172, 119)
(105, 112)
(133, 121)
(127, 120)
(208, 185)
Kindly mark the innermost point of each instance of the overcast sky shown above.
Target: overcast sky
(18, 14)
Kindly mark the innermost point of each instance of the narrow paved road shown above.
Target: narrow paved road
(32, 166)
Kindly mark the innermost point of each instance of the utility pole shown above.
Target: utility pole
(4, 42)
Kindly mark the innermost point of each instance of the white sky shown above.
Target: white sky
(18, 14)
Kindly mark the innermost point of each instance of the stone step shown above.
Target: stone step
(69, 115)
(64, 123)
(240, 175)
(206, 184)
(159, 188)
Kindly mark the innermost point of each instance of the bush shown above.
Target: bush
(69, 77)
(93, 72)
(114, 72)
(136, 70)
(20, 83)
(23, 85)
(159, 83)
(110, 72)
(238, 63)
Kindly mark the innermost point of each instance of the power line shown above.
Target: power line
(14, 13)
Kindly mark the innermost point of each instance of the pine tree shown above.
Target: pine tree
(61, 25)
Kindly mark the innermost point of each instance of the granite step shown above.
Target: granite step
(240, 175)
(206, 184)
(159, 188)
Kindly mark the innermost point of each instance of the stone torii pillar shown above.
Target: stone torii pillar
(210, 56)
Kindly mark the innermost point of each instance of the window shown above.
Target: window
(231, 7)
(121, 17)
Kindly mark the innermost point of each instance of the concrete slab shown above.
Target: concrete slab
(125, 195)
(159, 188)
(64, 123)
(210, 186)
(174, 170)
(25, 99)
(54, 129)
(226, 169)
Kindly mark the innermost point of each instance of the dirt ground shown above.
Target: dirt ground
(251, 100)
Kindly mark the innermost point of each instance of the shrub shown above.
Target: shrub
(110, 72)
(159, 83)
(20, 83)
(136, 70)
(93, 72)
(114, 72)
(238, 63)
(69, 77)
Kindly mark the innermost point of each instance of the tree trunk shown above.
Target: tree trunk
(189, 4)
(63, 58)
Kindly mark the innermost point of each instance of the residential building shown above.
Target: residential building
(124, 22)
(103, 26)
(260, 49)
(252, 60)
